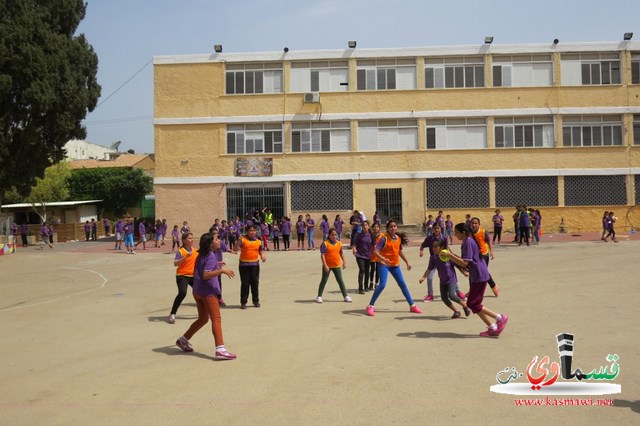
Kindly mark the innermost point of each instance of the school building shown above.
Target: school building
(464, 129)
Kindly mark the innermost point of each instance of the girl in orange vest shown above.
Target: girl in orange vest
(332, 261)
(389, 251)
(184, 261)
(249, 267)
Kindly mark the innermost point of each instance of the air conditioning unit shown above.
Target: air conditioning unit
(311, 98)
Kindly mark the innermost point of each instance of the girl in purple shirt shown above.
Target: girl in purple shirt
(275, 231)
(337, 225)
(324, 226)
(285, 228)
(497, 220)
(175, 238)
(300, 227)
(206, 286)
(478, 278)
(311, 226)
(362, 245)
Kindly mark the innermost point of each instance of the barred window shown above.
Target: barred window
(592, 130)
(637, 180)
(524, 132)
(595, 190)
(636, 129)
(241, 199)
(530, 191)
(254, 138)
(322, 195)
(457, 193)
(321, 137)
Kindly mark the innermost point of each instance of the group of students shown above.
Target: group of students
(386, 250)
(202, 269)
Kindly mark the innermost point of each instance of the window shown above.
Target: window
(387, 74)
(636, 130)
(319, 76)
(595, 190)
(388, 135)
(254, 138)
(457, 133)
(581, 69)
(635, 68)
(322, 195)
(526, 190)
(321, 137)
(524, 132)
(242, 198)
(254, 78)
(592, 130)
(522, 71)
(455, 71)
(457, 193)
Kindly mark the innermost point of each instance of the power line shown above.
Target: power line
(125, 83)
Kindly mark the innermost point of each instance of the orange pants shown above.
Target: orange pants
(208, 307)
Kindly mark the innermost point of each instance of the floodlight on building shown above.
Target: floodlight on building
(352, 44)
(627, 36)
(488, 40)
(556, 41)
(286, 49)
(217, 48)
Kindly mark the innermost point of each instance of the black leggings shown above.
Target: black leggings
(491, 282)
(524, 234)
(285, 241)
(497, 233)
(374, 272)
(183, 283)
(363, 272)
(249, 280)
(448, 293)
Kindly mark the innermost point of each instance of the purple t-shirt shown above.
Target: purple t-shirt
(478, 272)
(324, 225)
(220, 252)
(311, 224)
(300, 227)
(175, 235)
(428, 242)
(276, 231)
(119, 227)
(14, 229)
(440, 221)
(286, 227)
(141, 228)
(337, 225)
(362, 242)
(202, 287)
(446, 271)
(44, 231)
(448, 225)
(24, 229)
(87, 227)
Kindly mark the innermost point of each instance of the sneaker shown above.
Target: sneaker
(257, 304)
(428, 298)
(467, 312)
(348, 299)
(461, 295)
(496, 290)
(489, 333)
(361, 291)
(224, 354)
(319, 299)
(370, 311)
(171, 319)
(184, 344)
(455, 315)
(133, 252)
(415, 309)
(502, 324)
(243, 306)
(221, 303)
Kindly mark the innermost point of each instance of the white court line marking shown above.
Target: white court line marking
(104, 283)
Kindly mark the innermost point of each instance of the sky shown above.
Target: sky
(127, 34)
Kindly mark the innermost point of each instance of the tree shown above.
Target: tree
(47, 86)
(120, 188)
(53, 187)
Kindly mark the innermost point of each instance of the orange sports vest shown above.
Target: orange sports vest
(186, 268)
(391, 250)
(250, 250)
(332, 256)
(480, 239)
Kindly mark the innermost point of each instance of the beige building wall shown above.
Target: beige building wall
(192, 112)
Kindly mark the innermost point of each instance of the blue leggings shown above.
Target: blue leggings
(396, 273)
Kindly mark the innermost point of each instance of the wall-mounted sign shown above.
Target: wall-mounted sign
(254, 167)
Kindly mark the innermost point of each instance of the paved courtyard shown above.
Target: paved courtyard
(85, 341)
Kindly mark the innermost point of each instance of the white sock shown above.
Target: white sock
(498, 318)
(220, 348)
(493, 327)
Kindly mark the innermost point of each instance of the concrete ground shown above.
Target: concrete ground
(85, 341)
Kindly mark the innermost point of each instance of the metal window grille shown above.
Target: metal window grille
(389, 204)
(242, 199)
(595, 190)
(637, 180)
(457, 193)
(529, 191)
(322, 195)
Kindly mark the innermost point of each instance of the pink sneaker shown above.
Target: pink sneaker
(428, 298)
(224, 354)
(489, 333)
(370, 311)
(502, 324)
(184, 344)
(415, 309)
(461, 295)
